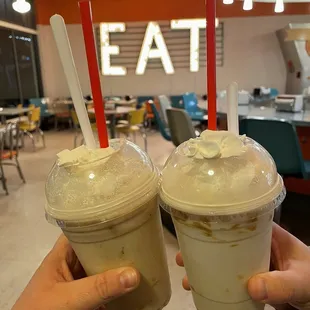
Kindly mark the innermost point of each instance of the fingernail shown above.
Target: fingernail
(261, 290)
(129, 278)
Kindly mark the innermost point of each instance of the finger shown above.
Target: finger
(62, 250)
(92, 292)
(61, 242)
(179, 259)
(185, 284)
(277, 287)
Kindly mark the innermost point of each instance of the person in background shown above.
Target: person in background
(289, 283)
(60, 283)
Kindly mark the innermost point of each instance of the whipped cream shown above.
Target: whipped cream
(83, 155)
(215, 144)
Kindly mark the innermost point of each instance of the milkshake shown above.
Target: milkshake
(105, 202)
(221, 190)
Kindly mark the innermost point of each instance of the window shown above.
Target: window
(26, 64)
(8, 74)
(18, 67)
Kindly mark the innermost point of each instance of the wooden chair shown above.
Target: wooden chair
(62, 113)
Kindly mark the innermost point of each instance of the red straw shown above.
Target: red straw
(211, 63)
(87, 25)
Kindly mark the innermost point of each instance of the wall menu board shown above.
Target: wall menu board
(140, 46)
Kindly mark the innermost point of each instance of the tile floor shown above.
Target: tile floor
(25, 236)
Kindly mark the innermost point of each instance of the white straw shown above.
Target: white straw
(232, 108)
(65, 53)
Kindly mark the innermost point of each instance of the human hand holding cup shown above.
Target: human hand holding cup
(288, 284)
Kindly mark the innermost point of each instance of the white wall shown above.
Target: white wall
(252, 57)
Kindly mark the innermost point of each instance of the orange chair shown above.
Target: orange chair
(150, 117)
(149, 114)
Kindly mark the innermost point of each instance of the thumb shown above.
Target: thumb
(91, 292)
(277, 287)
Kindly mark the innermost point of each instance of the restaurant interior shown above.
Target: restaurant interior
(156, 84)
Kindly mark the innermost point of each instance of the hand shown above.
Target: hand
(290, 283)
(60, 283)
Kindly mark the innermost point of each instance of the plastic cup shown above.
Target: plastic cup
(221, 191)
(105, 201)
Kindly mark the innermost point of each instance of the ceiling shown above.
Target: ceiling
(141, 10)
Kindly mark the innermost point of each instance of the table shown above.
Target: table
(70, 102)
(298, 118)
(301, 119)
(122, 102)
(12, 112)
(111, 116)
(60, 101)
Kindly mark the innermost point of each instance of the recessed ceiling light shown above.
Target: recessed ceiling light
(21, 6)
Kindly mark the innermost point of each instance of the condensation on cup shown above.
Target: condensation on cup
(222, 190)
(105, 202)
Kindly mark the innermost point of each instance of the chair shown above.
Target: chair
(135, 124)
(280, 139)
(21, 117)
(9, 151)
(149, 114)
(150, 117)
(77, 128)
(164, 130)
(142, 99)
(181, 127)
(177, 102)
(43, 104)
(165, 104)
(191, 106)
(33, 126)
(62, 113)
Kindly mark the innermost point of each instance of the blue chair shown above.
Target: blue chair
(280, 139)
(274, 92)
(164, 130)
(177, 102)
(42, 104)
(191, 107)
(165, 104)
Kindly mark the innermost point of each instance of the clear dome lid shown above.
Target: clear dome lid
(220, 173)
(86, 186)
